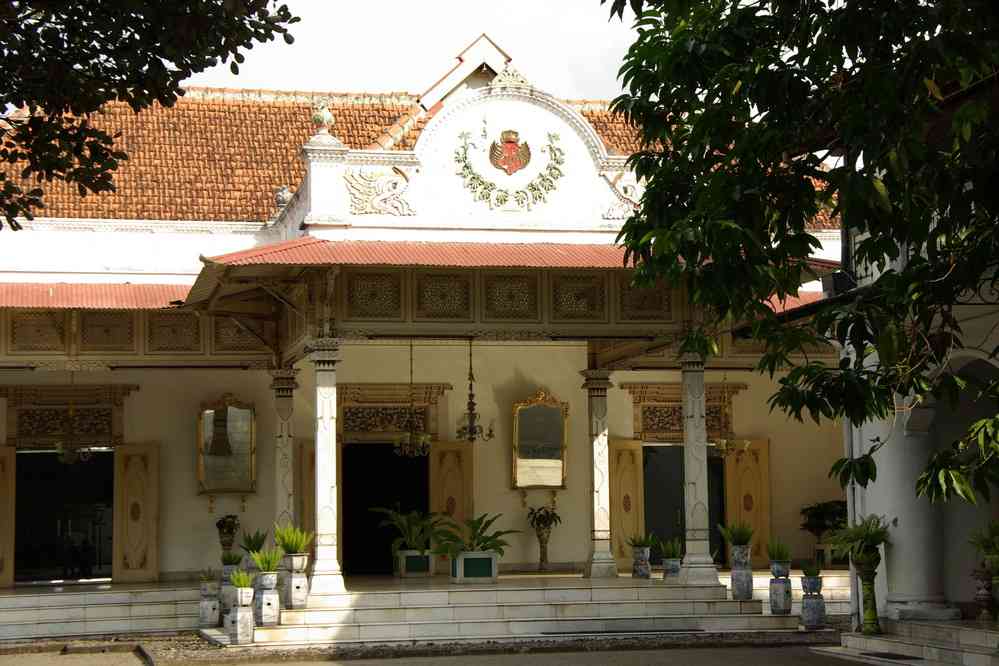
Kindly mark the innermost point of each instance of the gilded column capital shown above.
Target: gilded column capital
(283, 381)
(596, 381)
(323, 352)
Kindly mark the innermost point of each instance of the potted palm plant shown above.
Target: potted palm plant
(473, 549)
(267, 607)
(250, 544)
(820, 519)
(542, 519)
(295, 544)
(672, 550)
(780, 558)
(739, 536)
(780, 584)
(230, 564)
(986, 543)
(641, 551)
(813, 605)
(862, 544)
(239, 621)
(411, 548)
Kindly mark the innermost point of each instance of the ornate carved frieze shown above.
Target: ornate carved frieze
(382, 419)
(372, 412)
(78, 415)
(39, 331)
(374, 295)
(173, 332)
(107, 331)
(510, 297)
(658, 410)
(381, 192)
(447, 296)
(578, 297)
(638, 304)
(249, 335)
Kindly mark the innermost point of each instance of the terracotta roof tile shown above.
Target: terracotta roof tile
(64, 295)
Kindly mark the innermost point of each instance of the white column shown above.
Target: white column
(601, 563)
(698, 566)
(283, 384)
(914, 562)
(327, 577)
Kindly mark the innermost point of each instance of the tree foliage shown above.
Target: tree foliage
(755, 115)
(60, 62)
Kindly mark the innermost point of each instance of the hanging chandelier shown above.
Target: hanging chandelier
(68, 451)
(471, 430)
(413, 442)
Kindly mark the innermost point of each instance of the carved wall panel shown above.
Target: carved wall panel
(510, 297)
(47, 415)
(39, 331)
(383, 419)
(378, 412)
(228, 336)
(172, 332)
(374, 295)
(578, 297)
(658, 410)
(107, 331)
(643, 303)
(446, 296)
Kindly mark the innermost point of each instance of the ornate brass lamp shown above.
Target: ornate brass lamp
(471, 430)
(413, 442)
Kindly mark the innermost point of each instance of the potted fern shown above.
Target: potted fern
(672, 557)
(266, 606)
(862, 543)
(239, 621)
(780, 584)
(295, 544)
(813, 605)
(738, 537)
(250, 544)
(411, 548)
(780, 558)
(641, 550)
(473, 549)
(230, 564)
(542, 519)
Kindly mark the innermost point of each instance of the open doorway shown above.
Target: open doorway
(374, 476)
(63, 516)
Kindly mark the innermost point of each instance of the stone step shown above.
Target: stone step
(498, 594)
(541, 610)
(511, 628)
(968, 655)
(863, 657)
(953, 634)
(21, 598)
(84, 627)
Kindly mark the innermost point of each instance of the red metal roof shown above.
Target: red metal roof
(793, 302)
(62, 295)
(310, 251)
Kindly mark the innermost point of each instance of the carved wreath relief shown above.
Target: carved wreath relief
(510, 155)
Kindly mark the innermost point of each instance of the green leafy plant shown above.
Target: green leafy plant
(861, 541)
(267, 560)
(672, 548)
(228, 524)
(253, 542)
(241, 578)
(810, 569)
(649, 540)
(416, 530)
(230, 558)
(778, 551)
(543, 517)
(207, 575)
(292, 540)
(823, 517)
(986, 539)
(472, 536)
(739, 534)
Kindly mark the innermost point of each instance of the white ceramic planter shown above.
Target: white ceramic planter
(296, 562)
(244, 596)
(414, 564)
(475, 567)
(267, 580)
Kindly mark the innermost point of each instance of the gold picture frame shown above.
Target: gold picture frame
(227, 447)
(540, 442)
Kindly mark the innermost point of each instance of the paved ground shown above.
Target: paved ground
(679, 657)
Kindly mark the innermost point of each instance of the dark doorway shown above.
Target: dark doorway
(63, 523)
(664, 515)
(374, 476)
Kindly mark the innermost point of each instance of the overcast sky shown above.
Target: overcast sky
(568, 48)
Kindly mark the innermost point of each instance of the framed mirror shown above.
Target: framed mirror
(540, 435)
(227, 447)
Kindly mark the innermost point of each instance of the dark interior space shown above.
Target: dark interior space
(63, 524)
(663, 479)
(374, 476)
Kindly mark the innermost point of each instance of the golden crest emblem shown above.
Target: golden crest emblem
(509, 154)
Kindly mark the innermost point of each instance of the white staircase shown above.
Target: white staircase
(88, 610)
(923, 643)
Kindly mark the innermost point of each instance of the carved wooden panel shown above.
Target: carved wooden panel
(627, 497)
(8, 479)
(658, 411)
(511, 296)
(107, 331)
(747, 493)
(248, 335)
(374, 295)
(83, 415)
(638, 304)
(579, 297)
(39, 331)
(136, 514)
(173, 332)
(377, 411)
(443, 296)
